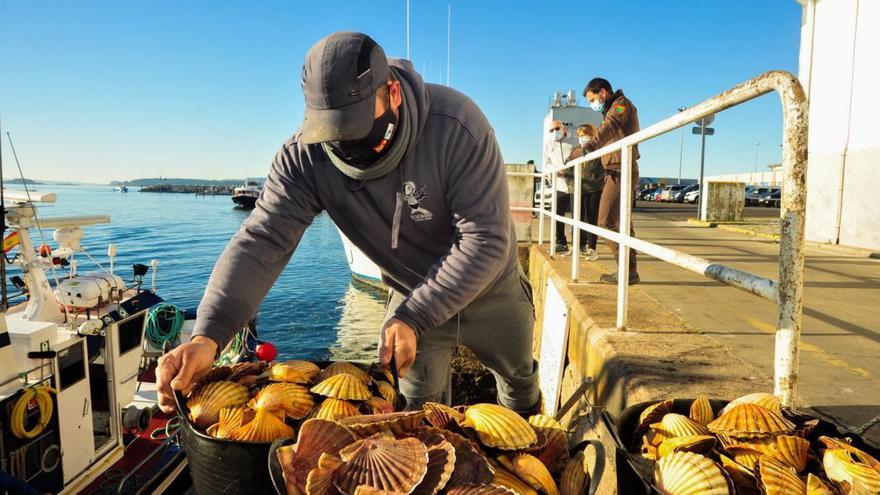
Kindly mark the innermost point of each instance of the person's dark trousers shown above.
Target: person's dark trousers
(563, 204)
(590, 213)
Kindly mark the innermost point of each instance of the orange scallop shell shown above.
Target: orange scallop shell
(840, 467)
(319, 481)
(266, 427)
(816, 486)
(335, 409)
(343, 386)
(383, 462)
(654, 413)
(295, 400)
(574, 479)
(441, 415)
(678, 425)
(481, 489)
(317, 439)
(763, 399)
(397, 422)
(750, 420)
(230, 419)
(775, 478)
(499, 427)
(791, 450)
(531, 470)
(294, 371)
(471, 466)
(345, 367)
(206, 402)
(699, 444)
(387, 391)
(505, 478)
(686, 473)
(701, 410)
(378, 405)
(441, 463)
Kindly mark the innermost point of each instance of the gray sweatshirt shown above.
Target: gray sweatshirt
(454, 238)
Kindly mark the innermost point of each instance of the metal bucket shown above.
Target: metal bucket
(223, 466)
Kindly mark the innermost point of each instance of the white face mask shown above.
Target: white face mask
(558, 135)
(583, 140)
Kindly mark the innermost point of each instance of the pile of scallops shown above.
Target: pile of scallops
(351, 439)
(751, 446)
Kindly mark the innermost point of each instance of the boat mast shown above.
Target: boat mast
(4, 302)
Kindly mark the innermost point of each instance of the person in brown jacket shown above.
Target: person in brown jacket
(621, 120)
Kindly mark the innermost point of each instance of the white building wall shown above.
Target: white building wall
(838, 66)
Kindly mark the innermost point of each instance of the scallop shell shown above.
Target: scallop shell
(678, 425)
(442, 416)
(574, 479)
(243, 369)
(763, 399)
(699, 444)
(293, 399)
(861, 455)
(398, 422)
(544, 421)
(686, 473)
(654, 413)
(266, 426)
(206, 402)
(335, 409)
(551, 449)
(499, 427)
(343, 386)
(531, 470)
(294, 371)
(319, 481)
(378, 405)
(369, 490)
(791, 450)
(317, 439)
(386, 391)
(230, 419)
(215, 374)
(345, 367)
(471, 466)
(701, 410)
(441, 463)
(745, 455)
(775, 478)
(329, 461)
(742, 477)
(751, 421)
(840, 467)
(383, 462)
(816, 486)
(505, 478)
(482, 489)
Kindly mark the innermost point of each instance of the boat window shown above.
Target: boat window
(130, 331)
(71, 366)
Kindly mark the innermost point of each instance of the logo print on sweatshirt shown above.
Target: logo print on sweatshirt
(413, 197)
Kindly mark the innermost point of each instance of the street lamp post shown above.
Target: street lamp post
(757, 143)
(680, 145)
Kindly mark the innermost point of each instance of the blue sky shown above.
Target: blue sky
(97, 91)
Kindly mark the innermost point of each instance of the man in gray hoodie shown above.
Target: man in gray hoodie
(412, 174)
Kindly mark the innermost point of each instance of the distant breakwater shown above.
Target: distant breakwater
(191, 189)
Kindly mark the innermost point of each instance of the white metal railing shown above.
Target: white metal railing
(787, 293)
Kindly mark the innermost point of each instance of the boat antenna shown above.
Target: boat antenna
(27, 192)
(4, 301)
(448, 41)
(407, 31)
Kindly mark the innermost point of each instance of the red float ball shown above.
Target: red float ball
(266, 351)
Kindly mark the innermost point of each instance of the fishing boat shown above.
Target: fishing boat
(362, 268)
(122, 188)
(77, 363)
(245, 197)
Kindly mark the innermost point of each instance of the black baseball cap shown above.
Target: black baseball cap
(339, 78)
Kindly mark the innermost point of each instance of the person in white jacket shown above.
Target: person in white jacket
(556, 153)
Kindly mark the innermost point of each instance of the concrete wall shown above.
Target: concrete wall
(838, 66)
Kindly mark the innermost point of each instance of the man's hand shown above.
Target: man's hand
(178, 367)
(399, 340)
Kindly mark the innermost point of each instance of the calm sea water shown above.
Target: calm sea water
(313, 311)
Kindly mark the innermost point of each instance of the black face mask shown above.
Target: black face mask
(362, 153)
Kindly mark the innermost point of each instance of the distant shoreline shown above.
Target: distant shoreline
(220, 190)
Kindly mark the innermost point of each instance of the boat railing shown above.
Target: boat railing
(787, 292)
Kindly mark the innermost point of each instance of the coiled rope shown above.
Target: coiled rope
(17, 419)
(164, 322)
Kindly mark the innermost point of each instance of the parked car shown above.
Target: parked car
(646, 192)
(655, 194)
(548, 195)
(755, 193)
(669, 192)
(771, 200)
(679, 196)
(693, 195)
